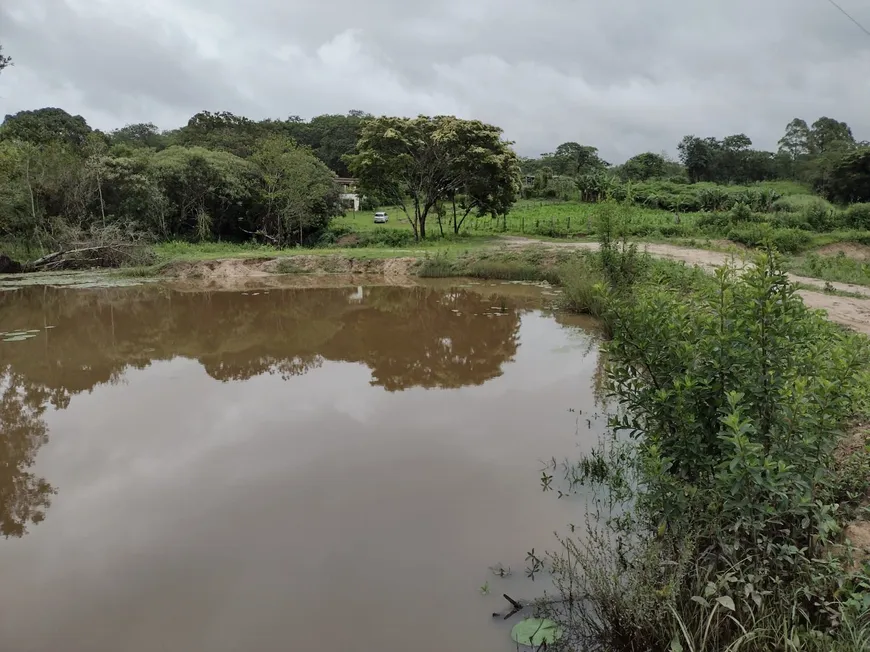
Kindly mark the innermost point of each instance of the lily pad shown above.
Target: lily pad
(536, 631)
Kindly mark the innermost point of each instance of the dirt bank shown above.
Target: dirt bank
(247, 268)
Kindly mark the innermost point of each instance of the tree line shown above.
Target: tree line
(220, 176)
(227, 177)
(223, 176)
(825, 155)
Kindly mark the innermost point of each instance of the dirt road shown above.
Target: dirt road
(849, 311)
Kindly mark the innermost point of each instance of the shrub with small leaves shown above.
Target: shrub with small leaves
(820, 216)
(857, 216)
(716, 487)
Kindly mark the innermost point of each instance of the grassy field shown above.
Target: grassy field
(839, 268)
(528, 217)
(190, 251)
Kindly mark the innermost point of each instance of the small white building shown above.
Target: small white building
(348, 193)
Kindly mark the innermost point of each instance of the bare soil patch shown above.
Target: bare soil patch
(229, 269)
(848, 249)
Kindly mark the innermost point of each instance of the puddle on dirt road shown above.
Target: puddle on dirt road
(313, 469)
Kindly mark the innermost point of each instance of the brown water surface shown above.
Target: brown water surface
(313, 469)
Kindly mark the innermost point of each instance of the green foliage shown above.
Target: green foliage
(828, 134)
(710, 197)
(857, 216)
(46, 126)
(535, 632)
(820, 216)
(797, 203)
(644, 167)
(783, 240)
(58, 176)
(298, 191)
(621, 263)
(730, 160)
(204, 188)
(500, 265)
(384, 238)
(570, 159)
(369, 204)
(432, 160)
(438, 266)
(138, 135)
(852, 470)
(718, 476)
(583, 290)
(849, 178)
(832, 268)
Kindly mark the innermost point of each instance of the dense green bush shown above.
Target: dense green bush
(583, 290)
(787, 220)
(385, 238)
(437, 266)
(368, 203)
(797, 203)
(857, 216)
(716, 486)
(790, 241)
(740, 215)
(821, 216)
(688, 198)
(783, 240)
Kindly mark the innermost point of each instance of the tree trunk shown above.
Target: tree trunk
(419, 225)
(102, 203)
(455, 224)
(30, 188)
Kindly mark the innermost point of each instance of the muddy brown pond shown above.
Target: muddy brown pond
(327, 469)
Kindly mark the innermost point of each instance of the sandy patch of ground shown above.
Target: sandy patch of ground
(287, 281)
(848, 249)
(230, 268)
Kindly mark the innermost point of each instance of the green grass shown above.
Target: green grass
(193, 251)
(363, 221)
(839, 268)
(20, 251)
(532, 217)
(179, 250)
(500, 264)
(784, 187)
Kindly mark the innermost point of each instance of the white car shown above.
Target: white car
(381, 218)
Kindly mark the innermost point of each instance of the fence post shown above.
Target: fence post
(568, 228)
(523, 224)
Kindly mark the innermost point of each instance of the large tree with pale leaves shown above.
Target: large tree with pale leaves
(424, 162)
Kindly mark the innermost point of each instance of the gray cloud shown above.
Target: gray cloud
(625, 76)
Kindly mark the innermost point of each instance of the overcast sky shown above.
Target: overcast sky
(623, 75)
